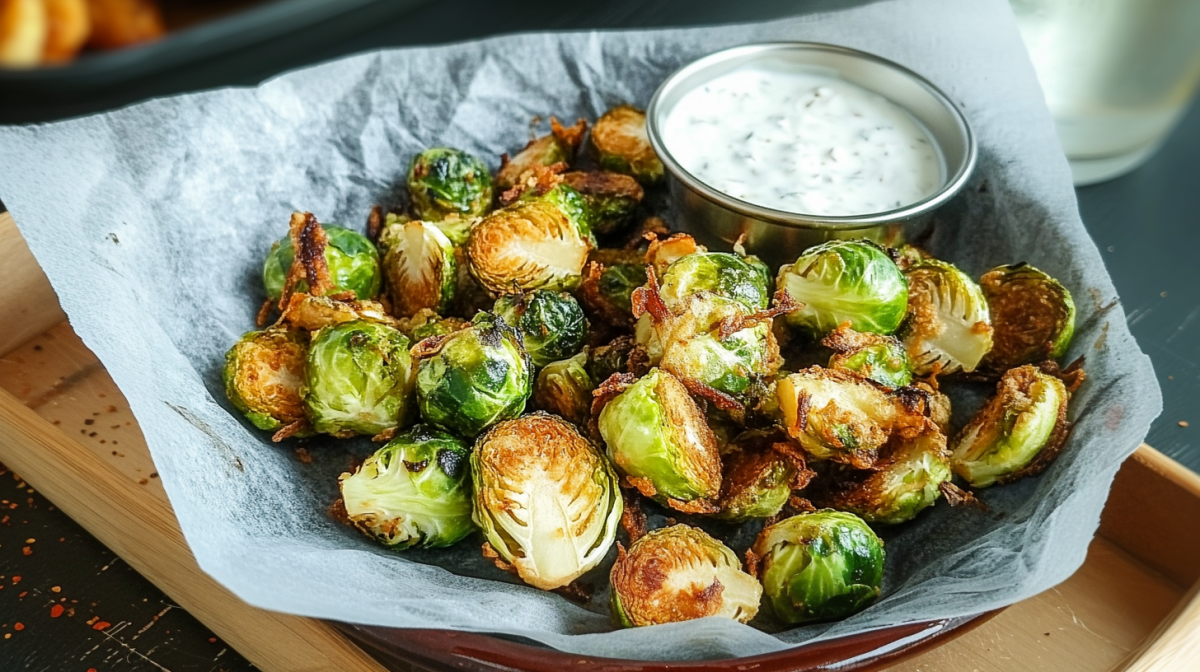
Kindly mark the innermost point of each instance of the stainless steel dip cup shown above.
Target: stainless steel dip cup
(777, 236)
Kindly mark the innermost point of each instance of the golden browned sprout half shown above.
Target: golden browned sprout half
(23, 31)
(69, 24)
(123, 23)
(620, 144)
(559, 146)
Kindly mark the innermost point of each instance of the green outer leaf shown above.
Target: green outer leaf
(482, 375)
(572, 204)
(353, 265)
(720, 273)
(552, 324)
(443, 182)
(403, 495)
(358, 378)
(618, 281)
(820, 566)
(845, 280)
(884, 363)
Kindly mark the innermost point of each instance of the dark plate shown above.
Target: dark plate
(444, 650)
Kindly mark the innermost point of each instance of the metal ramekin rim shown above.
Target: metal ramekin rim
(953, 184)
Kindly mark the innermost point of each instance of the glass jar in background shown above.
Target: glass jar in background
(1117, 75)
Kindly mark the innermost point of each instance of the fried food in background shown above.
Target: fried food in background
(68, 24)
(44, 32)
(121, 23)
(22, 32)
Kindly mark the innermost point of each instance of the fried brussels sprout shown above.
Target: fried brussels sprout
(527, 246)
(426, 323)
(819, 566)
(880, 358)
(358, 379)
(680, 573)
(726, 275)
(707, 339)
(845, 281)
(758, 480)
(420, 267)
(948, 327)
(607, 292)
(564, 388)
(445, 183)
(1017, 433)
(845, 418)
(352, 260)
(612, 198)
(471, 379)
(610, 358)
(559, 146)
(905, 482)
(1033, 316)
(308, 312)
(546, 498)
(620, 144)
(551, 323)
(263, 374)
(659, 439)
(413, 492)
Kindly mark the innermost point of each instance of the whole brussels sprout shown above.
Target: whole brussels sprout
(757, 480)
(607, 292)
(551, 323)
(659, 438)
(726, 275)
(819, 566)
(263, 374)
(420, 266)
(845, 281)
(473, 378)
(612, 198)
(546, 498)
(413, 492)
(527, 246)
(620, 144)
(680, 573)
(1033, 316)
(564, 388)
(948, 328)
(446, 183)
(559, 146)
(353, 265)
(845, 418)
(906, 481)
(358, 379)
(882, 359)
(1017, 433)
(610, 358)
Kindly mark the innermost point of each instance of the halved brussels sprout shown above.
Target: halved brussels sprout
(906, 481)
(358, 379)
(546, 498)
(726, 275)
(819, 566)
(564, 388)
(413, 492)
(612, 198)
(527, 246)
(352, 260)
(949, 328)
(471, 379)
(570, 202)
(263, 374)
(620, 144)
(551, 323)
(708, 339)
(660, 440)
(845, 418)
(880, 358)
(1017, 433)
(758, 480)
(680, 573)
(559, 146)
(420, 266)
(1033, 316)
(845, 281)
(445, 182)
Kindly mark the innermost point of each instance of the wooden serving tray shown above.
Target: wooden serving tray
(68, 431)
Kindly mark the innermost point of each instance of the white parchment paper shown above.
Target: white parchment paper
(152, 222)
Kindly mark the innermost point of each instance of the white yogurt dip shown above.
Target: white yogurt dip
(803, 142)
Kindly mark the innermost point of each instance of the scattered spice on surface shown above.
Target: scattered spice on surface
(212, 640)
(101, 625)
(56, 611)
(89, 421)
(56, 589)
(303, 455)
(154, 474)
(26, 550)
(16, 580)
(19, 626)
(143, 481)
(1183, 423)
(31, 540)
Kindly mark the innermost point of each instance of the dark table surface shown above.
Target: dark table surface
(113, 620)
